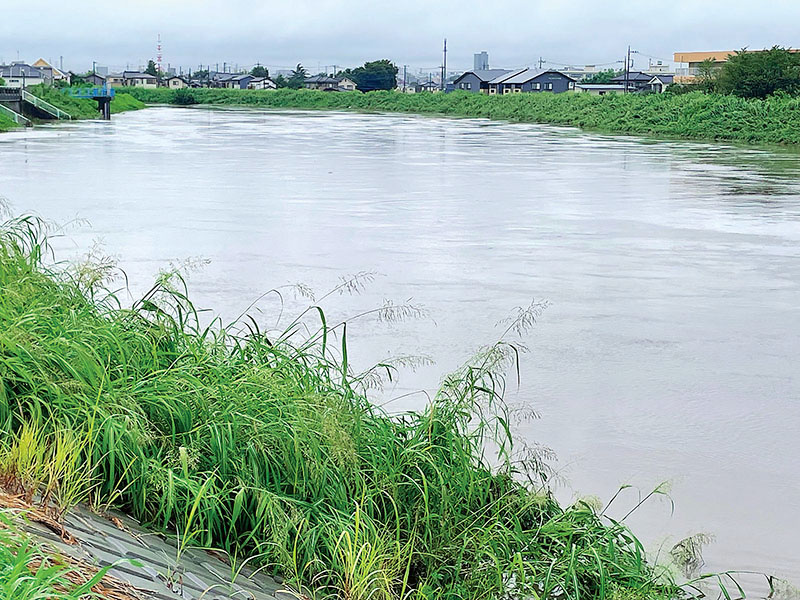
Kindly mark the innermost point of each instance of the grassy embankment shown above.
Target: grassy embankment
(81, 108)
(265, 444)
(6, 124)
(691, 116)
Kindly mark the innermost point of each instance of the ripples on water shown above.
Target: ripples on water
(669, 351)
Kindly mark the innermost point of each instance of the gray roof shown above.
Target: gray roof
(137, 75)
(20, 69)
(486, 74)
(526, 75)
(663, 78)
(634, 76)
(321, 79)
(507, 75)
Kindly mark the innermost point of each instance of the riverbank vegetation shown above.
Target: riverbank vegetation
(694, 115)
(82, 108)
(263, 444)
(6, 124)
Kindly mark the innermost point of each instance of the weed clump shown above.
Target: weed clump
(265, 445)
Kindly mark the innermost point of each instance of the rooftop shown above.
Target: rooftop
(486, 74)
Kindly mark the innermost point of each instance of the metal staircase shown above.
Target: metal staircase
(45, 106)
(14, 116)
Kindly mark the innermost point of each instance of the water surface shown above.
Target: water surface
(669, 351)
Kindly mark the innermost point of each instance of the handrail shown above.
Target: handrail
(45, 106)
(14, 116)
(89, 92)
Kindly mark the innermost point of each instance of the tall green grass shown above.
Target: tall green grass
(692, 116)
(265, 445)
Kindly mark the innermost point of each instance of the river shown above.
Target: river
(669, 351)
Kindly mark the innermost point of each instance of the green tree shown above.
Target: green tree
(151, 69)
(2, 82)
(707, 74)
(601, 76)
(298, 76)
(760, 74)
(375, 75)
(281, 81)
(259, 71)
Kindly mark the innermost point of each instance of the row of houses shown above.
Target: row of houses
(506, 81)
(240, 81)
(20, 74)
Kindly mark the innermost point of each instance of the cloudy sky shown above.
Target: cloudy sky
(319, 33)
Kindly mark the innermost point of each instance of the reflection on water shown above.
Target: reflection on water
(669, 350)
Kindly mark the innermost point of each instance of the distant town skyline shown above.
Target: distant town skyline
(321, 33)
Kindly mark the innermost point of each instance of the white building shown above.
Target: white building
(22, 75)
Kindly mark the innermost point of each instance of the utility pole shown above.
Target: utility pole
(405, 68)
(61, 63)
(444, 65)
(627, 68)
(541, 62)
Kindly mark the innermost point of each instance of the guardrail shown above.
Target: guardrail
(14, 116)
(90, 93)
(45, 106)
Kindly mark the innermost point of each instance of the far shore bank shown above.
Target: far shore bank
(77, 108)
(694, 116)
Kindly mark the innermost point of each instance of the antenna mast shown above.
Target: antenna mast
(158, 54)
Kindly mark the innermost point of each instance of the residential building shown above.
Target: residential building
(321, 82)
(531, 80)
(693, 60)
(659, 67)
(115, 80)
(95, 79)
(329, 84)
(234, 81)
(481, 61)
(600, 89)
(477, 80)
(660, 82)
(261, 83)
(638, 81)
(428, 86)
(138, 79)
(347, 85)
(176, 82)
(51, 73)
(20, 75)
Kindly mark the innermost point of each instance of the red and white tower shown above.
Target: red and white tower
(158, 55)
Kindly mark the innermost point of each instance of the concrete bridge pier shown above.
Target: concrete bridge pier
(104, 106)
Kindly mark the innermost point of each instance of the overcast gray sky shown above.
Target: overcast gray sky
(348, 32)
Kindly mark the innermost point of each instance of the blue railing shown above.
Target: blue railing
(90, 92)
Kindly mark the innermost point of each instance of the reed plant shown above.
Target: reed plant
(264, 445)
